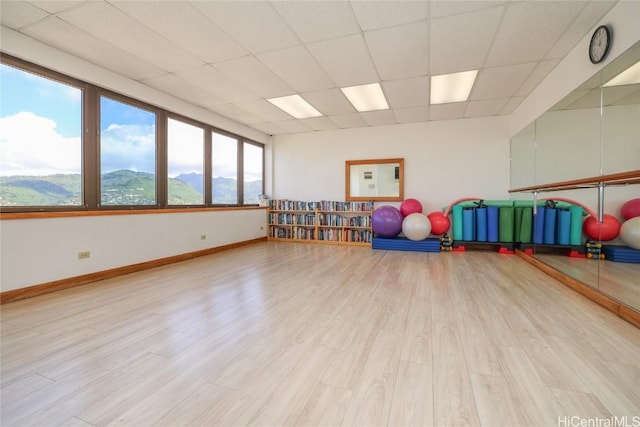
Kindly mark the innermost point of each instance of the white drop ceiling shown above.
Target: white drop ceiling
(229, 56)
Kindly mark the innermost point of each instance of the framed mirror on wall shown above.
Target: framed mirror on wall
(374, 179)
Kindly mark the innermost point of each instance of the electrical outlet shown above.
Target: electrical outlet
(84, 255)
(203, 237)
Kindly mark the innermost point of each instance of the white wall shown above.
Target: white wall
(36, 251)
(444, 160)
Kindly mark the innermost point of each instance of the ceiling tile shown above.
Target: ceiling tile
(183, 89)
(116, 28)
(251, 73)
(217, 83)
(270, 128)
(500, 82)
(448, 8)
(491, 107)
(55, 6)
(233, 112)
(253, 24)
(346, 121)
(319, 123)
(329, 102)
(447, 111)
(297, 67)
(400, 52)
(373, 15)
(587, 18)
(68, 38)
(529, 29)
(407, 92)
(264, 109)
(293, 126)
(346, 60)
(379, 118)
(539, 73)
(616, 95)
(186, 26)
(318, 20)
(461, 42)
(411, 115)
(16, 15)
(512, 104)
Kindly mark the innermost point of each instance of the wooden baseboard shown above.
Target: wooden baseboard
(57, 285)
(623, 311)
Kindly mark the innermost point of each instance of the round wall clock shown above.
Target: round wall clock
(600, 43)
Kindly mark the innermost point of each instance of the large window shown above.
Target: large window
(40, 140)
(252, 155)
(127, 154)
(68, 145)
(185, 155)
(225, 169)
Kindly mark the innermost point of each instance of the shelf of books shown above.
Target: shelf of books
(346, 223)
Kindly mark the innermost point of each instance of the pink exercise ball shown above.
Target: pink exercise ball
(410, 206)
(630, 232)
(630, 209)
(439, 223)
(609, 229)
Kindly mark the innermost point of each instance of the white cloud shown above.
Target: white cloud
(186, 148)
(30, 145)
(131, 147)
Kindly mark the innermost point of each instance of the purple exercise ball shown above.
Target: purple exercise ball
(386, 221)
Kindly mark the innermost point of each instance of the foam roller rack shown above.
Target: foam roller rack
(404, 244)
(573, 251)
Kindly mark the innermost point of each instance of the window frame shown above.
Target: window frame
(90, 146)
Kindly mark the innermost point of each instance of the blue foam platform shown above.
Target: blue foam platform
(621, 254)
(404, 244)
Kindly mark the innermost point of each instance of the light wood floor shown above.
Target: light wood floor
(619, 280)
(285, 333)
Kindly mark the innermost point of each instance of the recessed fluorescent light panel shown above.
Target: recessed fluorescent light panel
(296, 106)
(455, 87)
(630, 76)
(366, 97)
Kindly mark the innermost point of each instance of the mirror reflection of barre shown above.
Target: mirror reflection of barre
(374, 179)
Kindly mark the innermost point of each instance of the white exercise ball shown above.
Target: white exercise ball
(630, 232)
(416, 226)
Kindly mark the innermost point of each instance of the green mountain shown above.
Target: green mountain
(123, 187)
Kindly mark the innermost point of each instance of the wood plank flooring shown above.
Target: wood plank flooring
(299, 334)
(619, 280)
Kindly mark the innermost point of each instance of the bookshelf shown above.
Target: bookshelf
(331, 222)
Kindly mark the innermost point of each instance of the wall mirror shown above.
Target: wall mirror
(374, 179)
(595, 130)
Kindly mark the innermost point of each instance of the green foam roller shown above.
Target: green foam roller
(575, 233)
(457, 222)
(526, 225)
(505, 224)
(517, 223)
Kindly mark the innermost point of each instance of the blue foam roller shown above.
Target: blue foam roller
(492, 223)
(538, 225)
(467, 224)
(457, 222)
(549, 226)
(481, 224)
(564, 226)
